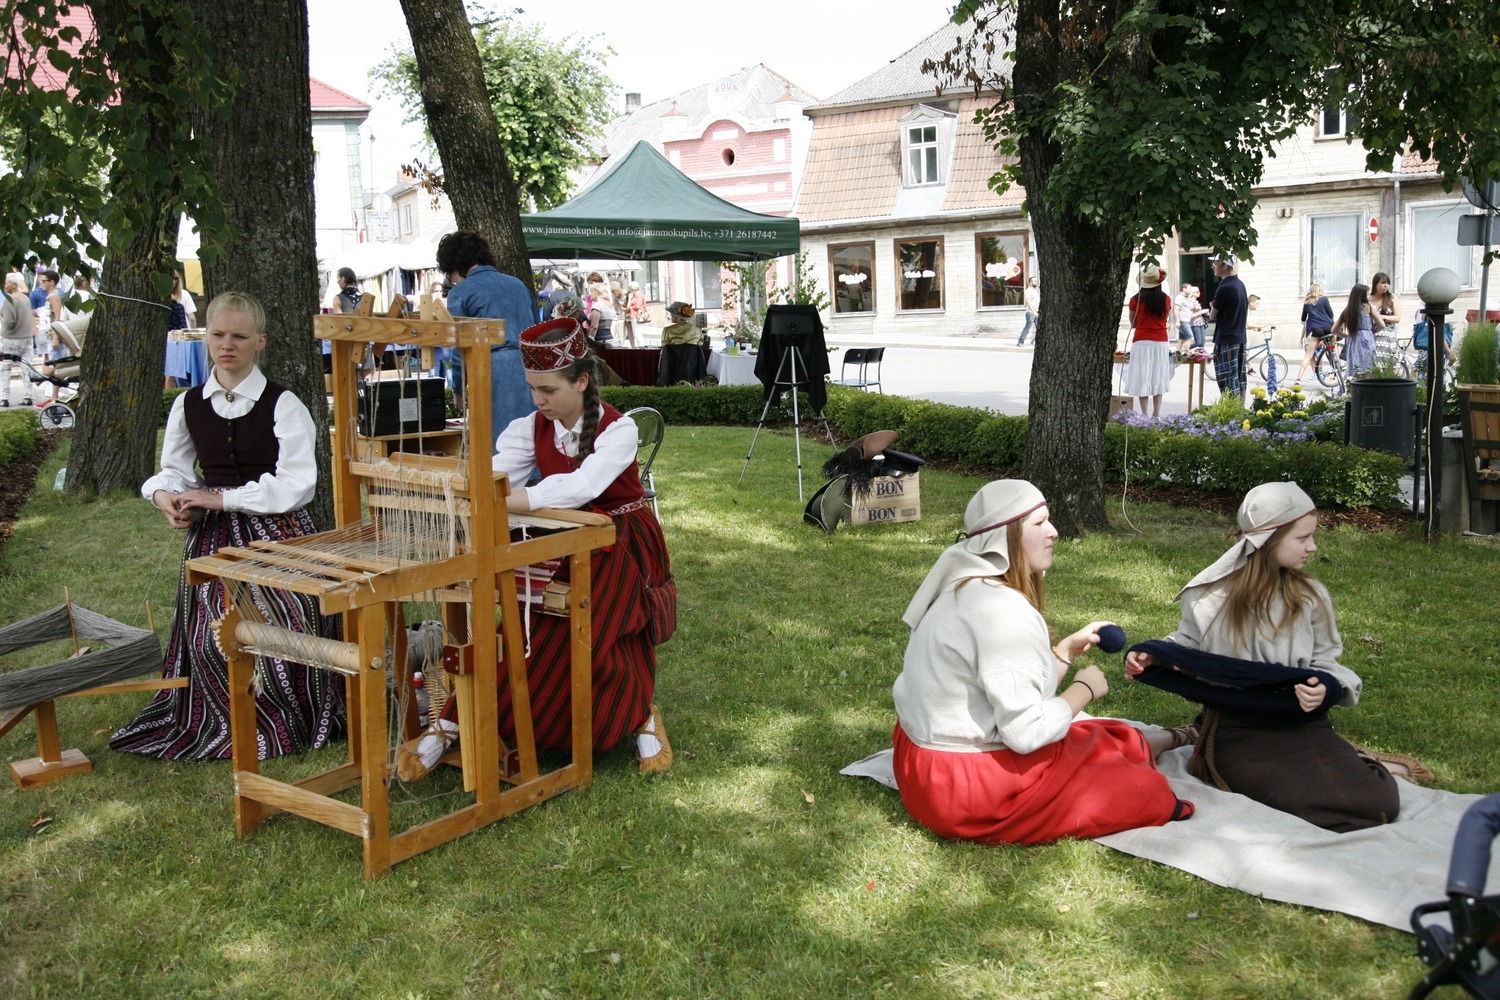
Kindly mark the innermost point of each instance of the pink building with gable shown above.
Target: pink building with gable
(744, 138)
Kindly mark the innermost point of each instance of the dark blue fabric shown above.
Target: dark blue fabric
(1470, 864)
(1317, 316)
(1233, 306)
(488, 294)
(1259, 694)
(38, 297)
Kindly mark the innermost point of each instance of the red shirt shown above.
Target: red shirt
(1147, 325)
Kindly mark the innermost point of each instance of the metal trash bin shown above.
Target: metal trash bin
(1383, 415)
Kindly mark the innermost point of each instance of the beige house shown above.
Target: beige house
(897, 215)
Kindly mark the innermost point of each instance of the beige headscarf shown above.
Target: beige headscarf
(1267, 507)
(984, 550)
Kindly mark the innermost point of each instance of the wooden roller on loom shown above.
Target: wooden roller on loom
(412, 526)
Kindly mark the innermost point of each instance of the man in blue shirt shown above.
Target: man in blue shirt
(1229, 310)
(480, 291)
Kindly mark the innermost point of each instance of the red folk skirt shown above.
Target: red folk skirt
(635, 609)
(1098, 779)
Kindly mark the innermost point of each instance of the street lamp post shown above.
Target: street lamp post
(1436, 288)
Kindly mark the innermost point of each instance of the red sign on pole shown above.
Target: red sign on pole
(1374, 230)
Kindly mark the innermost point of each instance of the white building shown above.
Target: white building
(338, 183)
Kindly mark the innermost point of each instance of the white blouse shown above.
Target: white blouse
(1310, 641)
(614, 451)
(980, 675)
(296, 477)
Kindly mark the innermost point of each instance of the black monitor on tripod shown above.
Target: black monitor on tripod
(792, 356)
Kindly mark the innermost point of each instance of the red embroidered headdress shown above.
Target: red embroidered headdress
(553, 354)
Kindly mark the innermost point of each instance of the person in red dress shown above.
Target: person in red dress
(584, 452)
(986, 748)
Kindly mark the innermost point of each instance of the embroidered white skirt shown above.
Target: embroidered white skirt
(1149, 372)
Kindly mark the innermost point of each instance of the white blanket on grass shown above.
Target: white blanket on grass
(1379, 874)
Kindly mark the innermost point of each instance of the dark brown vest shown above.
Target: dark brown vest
(234, 452)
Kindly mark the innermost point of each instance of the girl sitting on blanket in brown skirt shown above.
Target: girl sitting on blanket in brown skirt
(1258, 603)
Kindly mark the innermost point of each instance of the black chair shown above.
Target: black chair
(862, 358)
(650, 428)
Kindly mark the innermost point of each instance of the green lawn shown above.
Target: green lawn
(751, 869)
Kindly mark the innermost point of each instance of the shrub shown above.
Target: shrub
(167, 398)
(20, 432)
(1476, 355)
(722, 404)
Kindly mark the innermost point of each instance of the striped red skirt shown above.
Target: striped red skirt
(299, 708)
(1097, 779)
(635, 609)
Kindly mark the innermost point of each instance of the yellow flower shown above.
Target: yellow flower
(1246, 425)
(1300, 413)
(1258, 393)
(1284, 393)
(1297, 388)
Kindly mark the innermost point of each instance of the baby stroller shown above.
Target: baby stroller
(1469, 955)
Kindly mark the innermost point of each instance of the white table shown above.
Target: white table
(736, 369)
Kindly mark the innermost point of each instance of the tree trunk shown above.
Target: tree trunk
(476, 174)
(263, 160)
(1086, 267)
(114, 445)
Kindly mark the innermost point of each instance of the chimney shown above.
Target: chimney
(787, 107)
(632, 102)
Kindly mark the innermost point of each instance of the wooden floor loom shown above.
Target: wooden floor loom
(436, 530)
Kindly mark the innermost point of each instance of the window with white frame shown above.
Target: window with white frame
(1334, 251)
(922, 154)
(1434, 242)
(407, 218)
(710, 285)
(1334, 121)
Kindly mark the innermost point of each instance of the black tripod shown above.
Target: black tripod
(786, 327)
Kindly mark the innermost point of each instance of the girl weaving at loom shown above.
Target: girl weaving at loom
(1258, 647)
(253, 441)
(584, 451)
(987, 749)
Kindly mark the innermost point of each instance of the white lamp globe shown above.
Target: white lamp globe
(1438, 286)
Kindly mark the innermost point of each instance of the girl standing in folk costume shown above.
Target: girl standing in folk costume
(253, 441)
(986, 747)
(584, 451)
(1258, 603)
(1152, 314)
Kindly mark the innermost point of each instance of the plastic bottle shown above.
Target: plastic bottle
(60, 483)
(420, 683)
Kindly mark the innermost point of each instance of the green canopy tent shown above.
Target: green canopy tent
(644, 208)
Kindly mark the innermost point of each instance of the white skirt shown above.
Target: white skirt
(1149, 372)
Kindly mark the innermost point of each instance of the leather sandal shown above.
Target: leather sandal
(1417, 772)
(1183, 736)
(662, 759)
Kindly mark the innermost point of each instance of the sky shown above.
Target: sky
(661, 48)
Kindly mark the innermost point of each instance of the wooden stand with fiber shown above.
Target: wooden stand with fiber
(366, 567)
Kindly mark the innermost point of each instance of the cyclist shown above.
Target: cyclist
(1317, 325)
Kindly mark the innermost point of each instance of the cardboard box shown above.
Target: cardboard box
(1118, 403)
(891, 500)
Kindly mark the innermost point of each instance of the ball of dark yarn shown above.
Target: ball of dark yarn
(1111, 638)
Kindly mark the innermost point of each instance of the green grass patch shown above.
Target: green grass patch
(719, 878)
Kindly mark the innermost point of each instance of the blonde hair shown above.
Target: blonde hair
(15, 281)
(1018, 576)
(1314, 293)
(1255, 588)
(237, 302)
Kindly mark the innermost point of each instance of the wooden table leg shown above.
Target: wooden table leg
(375, 769)
(580, 585)
(53, 762)
(243, 744)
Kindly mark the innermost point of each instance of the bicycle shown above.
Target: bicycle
(1267, 357)
(1328, 365)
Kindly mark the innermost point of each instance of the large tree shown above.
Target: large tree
(476, 172)
(94, 116)
(1129, 121)
(262, 155)
(550, 99)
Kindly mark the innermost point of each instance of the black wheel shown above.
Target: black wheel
(1327, 363)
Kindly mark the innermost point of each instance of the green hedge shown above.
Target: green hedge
(20, 433)
(167, 396)
(682, 405)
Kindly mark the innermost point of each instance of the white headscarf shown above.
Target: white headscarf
(1267, 507)
(984, 550)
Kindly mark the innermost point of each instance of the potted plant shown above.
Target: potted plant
(1479, 411)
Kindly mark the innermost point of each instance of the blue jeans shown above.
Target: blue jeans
(1199, 332)
(1030, 325)
(1184, 330)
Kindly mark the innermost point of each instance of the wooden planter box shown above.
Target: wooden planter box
(1479, 415)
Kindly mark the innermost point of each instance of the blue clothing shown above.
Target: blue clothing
(1317, 316)
(1027, 328)
(1233, 306)
(488, 294)
(39, 297)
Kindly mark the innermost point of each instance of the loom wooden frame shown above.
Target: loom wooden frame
(370, 601)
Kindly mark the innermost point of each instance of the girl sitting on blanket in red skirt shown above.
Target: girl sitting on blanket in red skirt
(986, 748)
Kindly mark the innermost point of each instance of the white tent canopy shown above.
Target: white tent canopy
(371, 259)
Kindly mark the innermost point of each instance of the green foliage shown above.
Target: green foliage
(1271, 412)
(550, 99)
(1227, 409)
(746, 287)
(20, 432)
(805, 290)
(168, 396)
(76, 116)
(1476, 355)
(720, 404)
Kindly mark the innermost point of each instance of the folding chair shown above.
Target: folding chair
(650, 427)
(862, 358)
